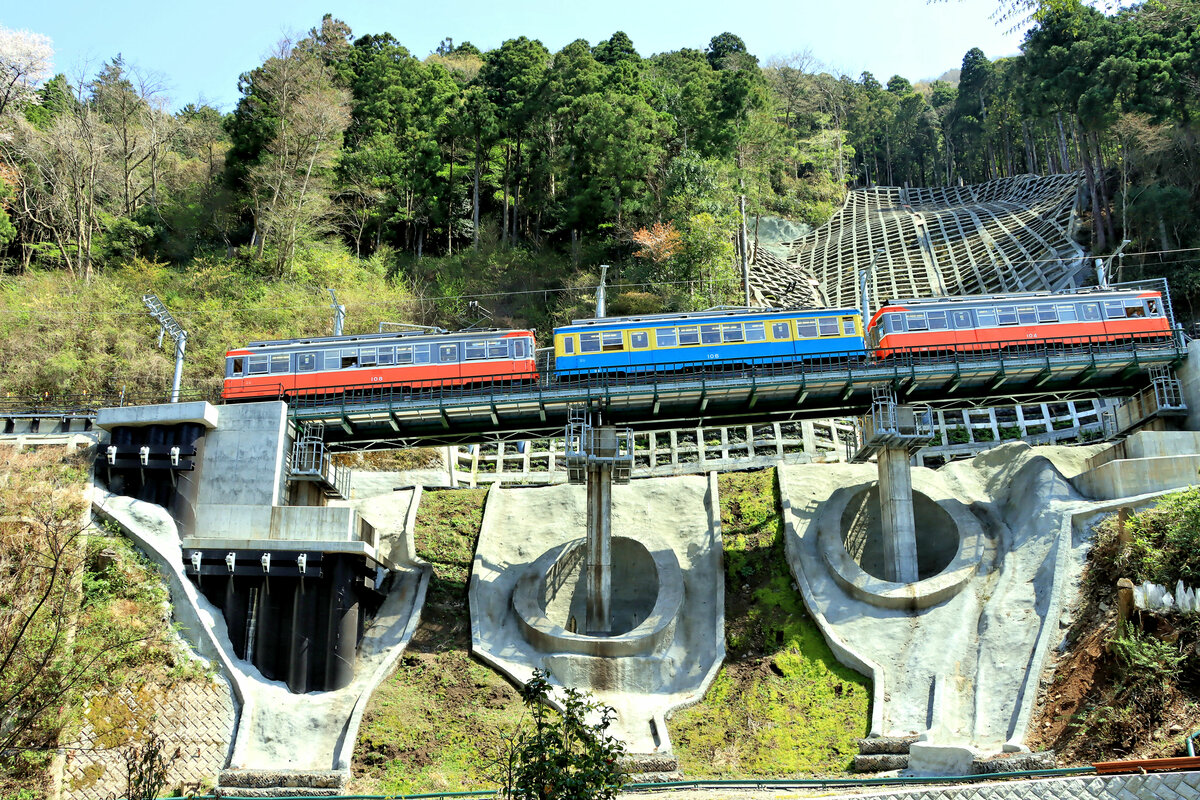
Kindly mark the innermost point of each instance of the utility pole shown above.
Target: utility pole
(168, 325)
(339, 315)
(601, 298)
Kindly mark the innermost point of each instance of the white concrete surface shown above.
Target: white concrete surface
(679, 514)
(964, 672)
(278, 729)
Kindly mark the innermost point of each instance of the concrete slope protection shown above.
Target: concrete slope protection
(677, 520)
(278, 730)
(962, 672)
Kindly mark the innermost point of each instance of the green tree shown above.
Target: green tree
(567, 755)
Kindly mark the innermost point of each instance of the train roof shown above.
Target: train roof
(372, 338)
(709, 314)
(1086, 292)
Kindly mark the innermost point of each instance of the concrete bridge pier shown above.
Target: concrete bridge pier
(598, 456)
(896, 513)
(891, 433)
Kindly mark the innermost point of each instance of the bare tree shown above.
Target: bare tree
(295, 93)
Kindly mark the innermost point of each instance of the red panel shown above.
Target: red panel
(270, 386)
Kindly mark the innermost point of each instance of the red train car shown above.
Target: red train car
(334, 364)
(989, 322)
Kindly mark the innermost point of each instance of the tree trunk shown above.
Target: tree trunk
(507, 167)
(1065, 158)
(475, 192)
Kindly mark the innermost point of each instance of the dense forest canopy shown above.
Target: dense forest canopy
(519, 169)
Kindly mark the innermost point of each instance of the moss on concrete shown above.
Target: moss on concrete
(782, 705)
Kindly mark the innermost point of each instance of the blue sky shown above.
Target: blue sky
(199, 49)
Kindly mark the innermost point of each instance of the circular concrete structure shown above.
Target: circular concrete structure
(949, 547)
(550, 600)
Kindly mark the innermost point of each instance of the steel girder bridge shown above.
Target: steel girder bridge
(711, 393)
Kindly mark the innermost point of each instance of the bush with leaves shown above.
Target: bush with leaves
(565, 755)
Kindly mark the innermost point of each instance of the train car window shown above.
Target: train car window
(894, 323)
(665, 337)
(828, 326)
(1152, 304)
(639, 340)
(1046, 314)
(612, 341)
(779, 330)
(1089, 311)
(404, 355)
(498, 349)
(475, 351)
(1134, 308)
(937, 320)
(848, 326)
(422, 353)
(366, 356)
(518, 348)
(589, 343)
(986, 317)
(350, 358)
(806, 328)
(962, 320)
(1006, 315)
(689, 334)
(755, 332)
(732, 332)
(239, 365)
(1114, 309)
(333, 359)
(306, 362)
(1027, 315)
(281, 363)
(447, 353)
(710, 334)
(385, 355)
(568, 345)
(258, 365)
(916, 321)
(1066, 312)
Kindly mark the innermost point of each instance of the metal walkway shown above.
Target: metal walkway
(384, 416)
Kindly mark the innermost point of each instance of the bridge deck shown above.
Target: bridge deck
(715, 393)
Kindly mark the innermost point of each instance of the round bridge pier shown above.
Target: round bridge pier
(550, 600)
(949, 543)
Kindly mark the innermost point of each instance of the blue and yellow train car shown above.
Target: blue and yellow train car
(669, 342)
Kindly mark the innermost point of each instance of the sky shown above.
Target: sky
(197, 50)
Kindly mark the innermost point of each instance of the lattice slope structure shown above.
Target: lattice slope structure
(1007, 235)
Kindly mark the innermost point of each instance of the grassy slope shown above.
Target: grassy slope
(781, 705)
(62, 336)
(432, 724)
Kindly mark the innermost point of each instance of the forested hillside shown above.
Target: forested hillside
(512, 173)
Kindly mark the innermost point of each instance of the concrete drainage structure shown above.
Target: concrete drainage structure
(271, 577)
(949, 547)
(667, 639)
(550, 600)
(955, 656)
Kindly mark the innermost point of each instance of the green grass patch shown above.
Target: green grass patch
(781, 705)
(437, 722)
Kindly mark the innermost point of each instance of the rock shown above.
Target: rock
(886, 745)
(880, 763)
(1016, 762)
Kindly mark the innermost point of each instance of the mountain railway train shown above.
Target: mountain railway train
(651, 346)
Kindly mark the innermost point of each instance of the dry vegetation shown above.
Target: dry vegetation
(80, 613)
(1132, 693)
